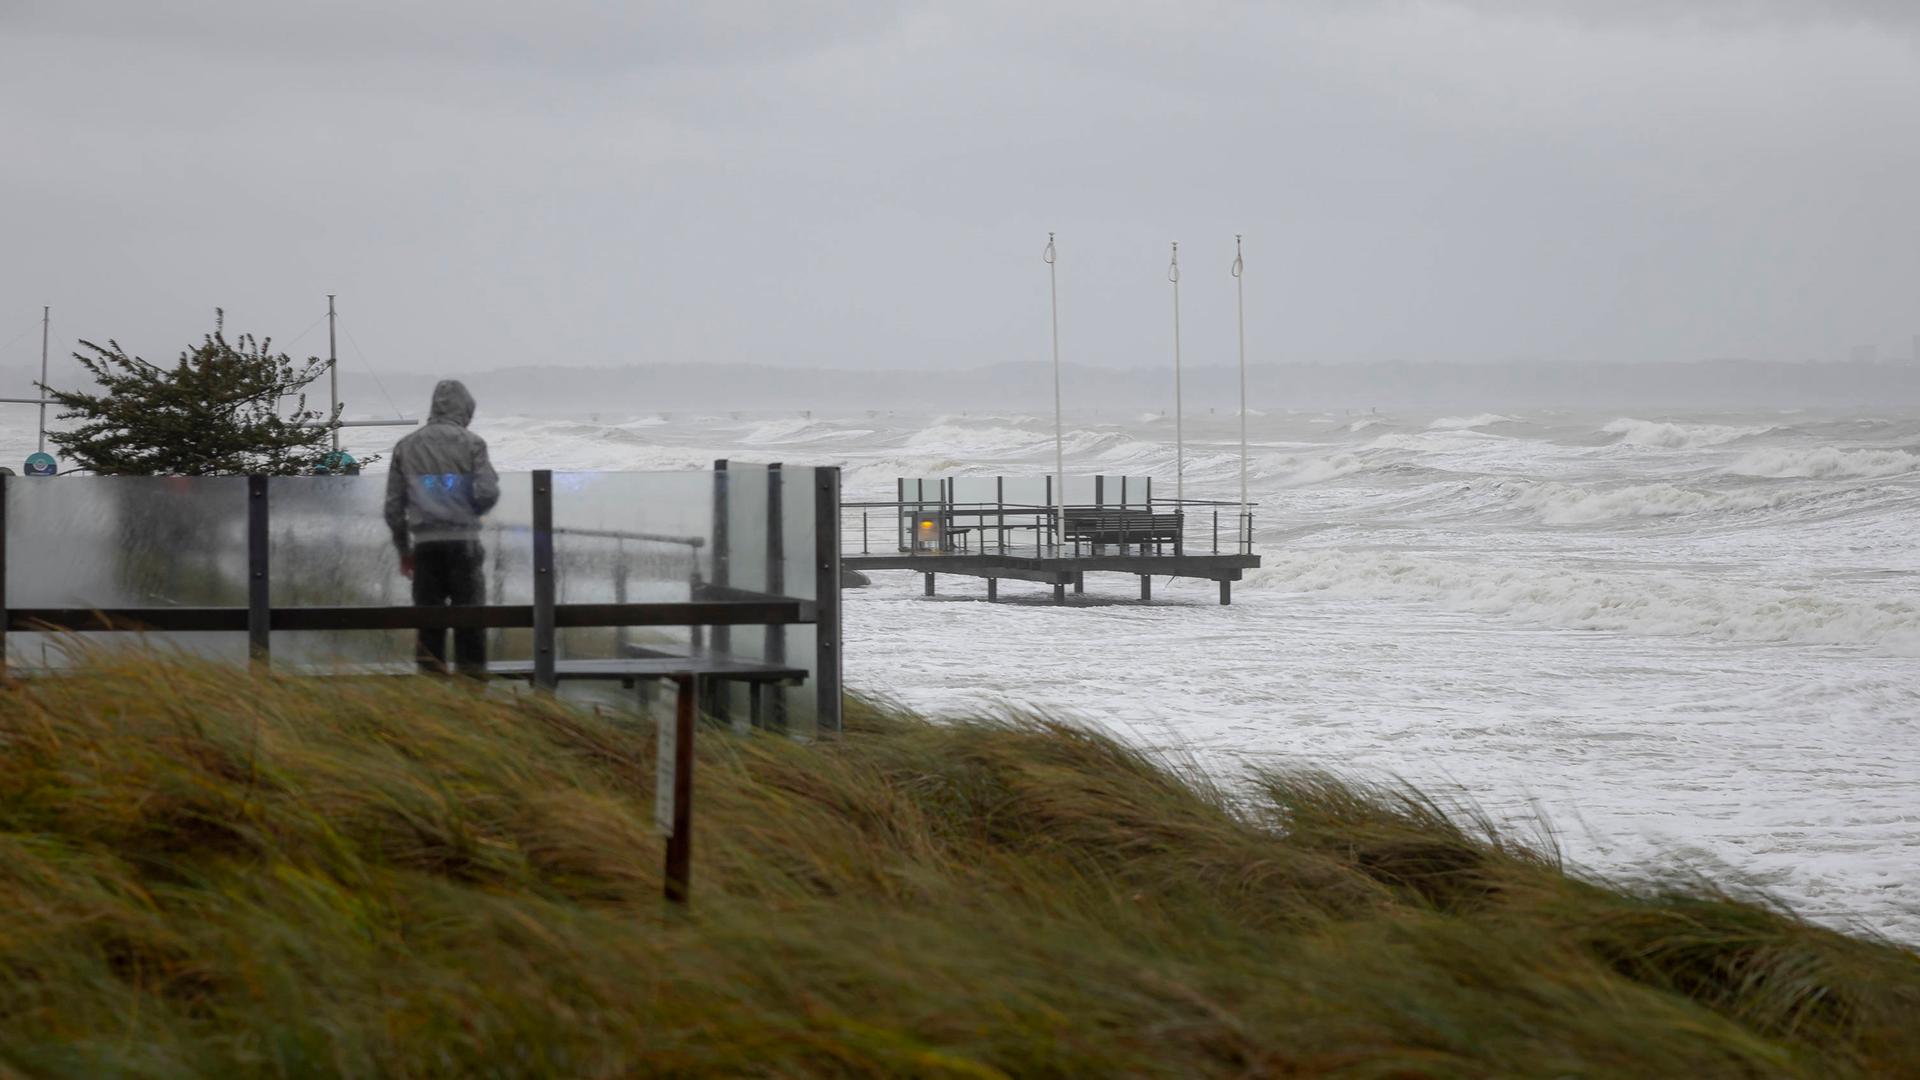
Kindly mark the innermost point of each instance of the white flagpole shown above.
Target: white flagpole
(1059, 452)
(333, 377)
(1240, 293)
(1179, 408)
(46, 321)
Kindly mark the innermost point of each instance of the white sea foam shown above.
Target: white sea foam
(1642, 603)
(958, 440)
(780, 431)
(1677, 436)
(1571, 504)
(1825, 462)
(1443, 439)
(1293, 470)
(1465, 423)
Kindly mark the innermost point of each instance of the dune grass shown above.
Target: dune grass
(208, 873)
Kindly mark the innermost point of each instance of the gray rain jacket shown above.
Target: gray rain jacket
(441, 481)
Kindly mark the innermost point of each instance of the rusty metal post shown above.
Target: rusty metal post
(679, 868)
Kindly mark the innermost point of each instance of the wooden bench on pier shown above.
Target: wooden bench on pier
(1117, 527)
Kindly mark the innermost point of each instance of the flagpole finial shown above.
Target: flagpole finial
(1048, 254)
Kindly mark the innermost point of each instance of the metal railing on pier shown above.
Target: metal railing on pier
(1102, 515)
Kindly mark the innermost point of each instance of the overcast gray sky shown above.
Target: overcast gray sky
(867, 185)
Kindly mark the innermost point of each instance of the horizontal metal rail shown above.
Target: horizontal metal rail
(641, 537)
(361, 617)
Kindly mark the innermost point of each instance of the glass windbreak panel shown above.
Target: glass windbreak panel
(975, 500)
(976, 490)
(743, 553)
(915, 489)
(799, 704)
(506, 535)
(634, 538)
(1103, 490)
(329, 546)
(740, 534)
(103, 542)
(1028, 491)
(798, 535)
(1128, 490)
(802, 547)
(754, 553)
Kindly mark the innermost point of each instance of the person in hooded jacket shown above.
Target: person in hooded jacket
(439, 486)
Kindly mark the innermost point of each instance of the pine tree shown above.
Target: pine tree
(227, 407)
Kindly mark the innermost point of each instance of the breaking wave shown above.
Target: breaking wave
(1467, 423)
(1670, 436)
(1641, 604)
(1558, 503)
(1293, 470)
(1825, 463)
(959, 440)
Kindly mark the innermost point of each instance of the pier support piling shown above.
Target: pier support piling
(1079, 582)
(1059, 594)
(1226, 591)
(1146, 588)
(929, 584)
(993, 589)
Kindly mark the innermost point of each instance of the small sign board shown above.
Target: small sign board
(42, 464)
(665, 746)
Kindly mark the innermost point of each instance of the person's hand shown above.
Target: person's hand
(406, 565)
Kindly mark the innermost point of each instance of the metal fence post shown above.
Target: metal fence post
(620, 590)
(679, 862)
(1099, 503)
(826, 587)
(259, 596)
(3, 575)
(543, 634)
(722, 557)
(1000, 509)
(776, 636)
(1054, 524)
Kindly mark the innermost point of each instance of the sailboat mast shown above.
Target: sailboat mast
(1059, 453)
(1240, 321)
(1179, 405)
(333, 377)
(46, 320)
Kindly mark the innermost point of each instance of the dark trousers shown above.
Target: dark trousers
(451, 572)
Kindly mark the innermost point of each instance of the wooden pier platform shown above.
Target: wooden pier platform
(1061, 570)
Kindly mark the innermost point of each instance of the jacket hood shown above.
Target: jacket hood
(451, 403)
